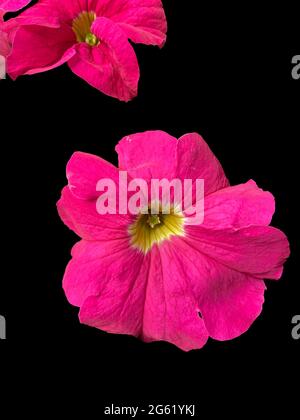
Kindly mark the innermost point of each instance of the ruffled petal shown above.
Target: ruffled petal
(112, 67)
(95, 266)
(4, 44)
(82, 217)
(121, 278)
(148, 155)
(228, 301)
(153, 302)
(38, 48)
(257, 250)
(156, 154)
(195, 160)
(238, 206)
(85, 170)
(142, 22)
(171, 312)
(13, 5)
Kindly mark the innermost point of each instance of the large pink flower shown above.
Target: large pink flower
(92, 37)
(168, 280)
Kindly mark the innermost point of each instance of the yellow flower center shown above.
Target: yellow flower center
(82, 28)
(150, 229)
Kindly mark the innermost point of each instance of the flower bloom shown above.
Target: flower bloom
(92, 37)
(8, 6)
(156, 276)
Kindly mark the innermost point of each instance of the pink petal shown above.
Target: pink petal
(112, 67)
(39, 48)
(229, 301)
(148, 155)
(143, 22)
(231, 306)
(146, 300)
(118, 275)
(238, 206)
(258, 250)
(197, 161)
(156, 154)
(13, 5)
(94, 268)
(85, 170)
(82, 217)
(171, 312)
(4, 44)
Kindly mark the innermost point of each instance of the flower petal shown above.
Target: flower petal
(95, 267)
(257, 250)
(238, 206)
(4, 44)
(149, 302)
(232, 304)
(82, 217)
(171, 312)
(85, 170)
(13, 5)
(121, 284)
(112, 67)
(148, 155)
(197, 161)
(38, 48)
(143, 22)
(156, 154)
(229, 301)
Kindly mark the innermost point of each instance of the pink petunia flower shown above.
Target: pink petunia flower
(92, 37)
(5, 45)
(161, 278)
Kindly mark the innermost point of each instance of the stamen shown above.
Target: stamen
(91, 39)
(153, 220)
(82, 28)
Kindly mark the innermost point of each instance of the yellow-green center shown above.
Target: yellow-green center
(150, 229)
(82, 28)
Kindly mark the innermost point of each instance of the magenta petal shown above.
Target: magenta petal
(257, 250)
(4, 44)
(82, 217)
(118, 306)
(197, 161)
(39, 48)
(112, 67)
(238, 206)
(156, 154)
(228, 301)
(231, 302)
(96, 267)
(85, 170)
(13, 5)
(143, 22)
(146, 297)
(148, 155)
(171, 312)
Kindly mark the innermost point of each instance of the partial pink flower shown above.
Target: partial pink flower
(168, 280)
(92, 36)
(8, 6)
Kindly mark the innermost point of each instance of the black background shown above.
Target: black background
(224, 72)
